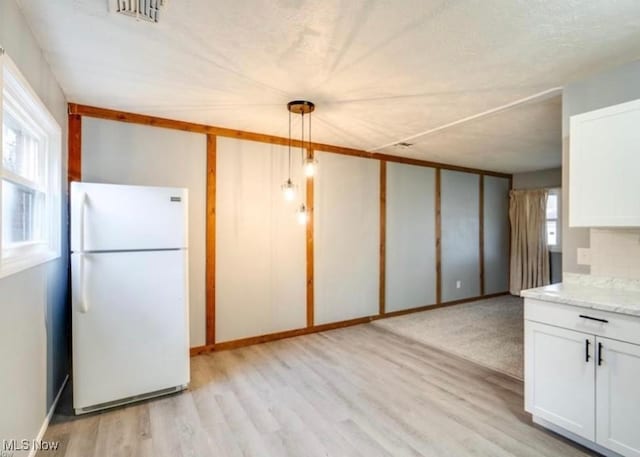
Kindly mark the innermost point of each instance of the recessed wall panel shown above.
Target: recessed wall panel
(260, 247)
(460, 212)
(496, 234)
(123, 153)
(410, 237)
(347, 237)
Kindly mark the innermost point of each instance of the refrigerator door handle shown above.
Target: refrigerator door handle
(83, 204)
(84, 304)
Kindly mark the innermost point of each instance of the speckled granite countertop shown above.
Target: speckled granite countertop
(604, 294)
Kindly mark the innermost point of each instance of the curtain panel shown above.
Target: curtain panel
(529, 251)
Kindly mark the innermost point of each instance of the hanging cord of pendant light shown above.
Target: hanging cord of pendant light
(288, 189)
(302, 139)
(289, 174)
(302, 211)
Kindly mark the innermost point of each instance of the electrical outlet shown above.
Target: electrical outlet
(584, 256)
(458, 284)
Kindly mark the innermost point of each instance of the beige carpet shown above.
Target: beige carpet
(489, 332)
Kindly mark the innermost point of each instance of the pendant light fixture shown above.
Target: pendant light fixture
(302, 215)
(289, 190)
(301, 107)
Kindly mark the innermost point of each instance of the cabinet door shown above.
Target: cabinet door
(560, 378)
(603, 167)
(618, 396)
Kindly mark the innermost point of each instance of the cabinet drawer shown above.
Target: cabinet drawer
(618, 326)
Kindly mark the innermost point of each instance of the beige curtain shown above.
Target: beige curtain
(529, 253)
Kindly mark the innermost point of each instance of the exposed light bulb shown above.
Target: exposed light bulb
(303, 216)
(309, 167)
(289, 190)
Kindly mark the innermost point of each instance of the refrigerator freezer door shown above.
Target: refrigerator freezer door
(109, 217)
(130, 324)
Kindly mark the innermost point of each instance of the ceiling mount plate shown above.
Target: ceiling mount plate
(301, 106)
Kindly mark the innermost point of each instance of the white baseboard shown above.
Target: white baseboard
(47, 419)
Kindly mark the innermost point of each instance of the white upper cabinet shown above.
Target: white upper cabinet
(604, 167)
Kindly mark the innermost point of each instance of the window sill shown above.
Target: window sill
(12, 266)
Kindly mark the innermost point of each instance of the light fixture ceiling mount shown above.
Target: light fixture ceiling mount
(301, 107)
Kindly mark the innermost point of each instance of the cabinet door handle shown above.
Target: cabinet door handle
(594, 319)
(600, 354)
(587, 356)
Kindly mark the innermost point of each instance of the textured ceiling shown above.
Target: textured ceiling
(378, 71)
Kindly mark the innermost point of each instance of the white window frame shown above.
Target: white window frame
(558, 246)
(20, 256)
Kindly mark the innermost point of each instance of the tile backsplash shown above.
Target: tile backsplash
(615, 253)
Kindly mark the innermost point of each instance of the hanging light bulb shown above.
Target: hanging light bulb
(289, 190)
(310, 165)
(302, 215)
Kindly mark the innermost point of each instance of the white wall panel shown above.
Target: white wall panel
(460, 211)
(121, 153)
(33, 305)
(496, 234)
(410, 238)
(347, 238)
(260, 247)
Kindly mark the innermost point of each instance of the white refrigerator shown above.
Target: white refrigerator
(130, 301)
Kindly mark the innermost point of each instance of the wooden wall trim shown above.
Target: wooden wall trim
(383, 238)
(438, 238)
(234, 344)
(509, 234)
(210, 260)
(74, 138)
(310, 253)
(481, 234)
(439, 305)
(76, 112)
(123, 116)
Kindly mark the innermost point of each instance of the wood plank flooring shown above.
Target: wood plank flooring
(359, 391)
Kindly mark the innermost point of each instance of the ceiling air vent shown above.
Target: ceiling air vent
(140, 9)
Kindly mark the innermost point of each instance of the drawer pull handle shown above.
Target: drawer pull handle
(600, 354)
(587, 356)
(594, 319)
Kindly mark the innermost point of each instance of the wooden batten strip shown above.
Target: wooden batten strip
(509, 234)
(481, 235)
(438, 239)
(310, 254)
(210, 260)
(234, 344)
(75, 173)
(439, 305)
(383, 238)
(278, 336)
(122, 116)
(74, 161)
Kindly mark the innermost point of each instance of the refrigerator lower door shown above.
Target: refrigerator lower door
(130, 326)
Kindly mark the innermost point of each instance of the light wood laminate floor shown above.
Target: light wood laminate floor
(358, 391)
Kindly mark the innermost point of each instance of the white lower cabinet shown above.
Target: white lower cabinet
(560, 387)
(581, 382)
(618, 396)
